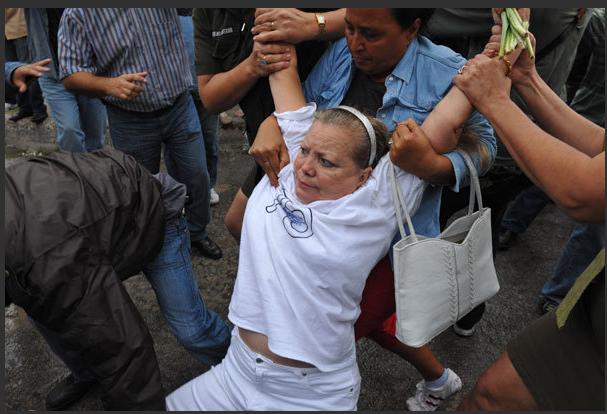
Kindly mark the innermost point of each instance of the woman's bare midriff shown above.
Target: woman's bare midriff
(258, 342)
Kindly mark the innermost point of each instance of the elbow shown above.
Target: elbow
(583, 210)
(70, 84)
(212, 105)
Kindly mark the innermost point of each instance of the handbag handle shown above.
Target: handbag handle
(399, 200)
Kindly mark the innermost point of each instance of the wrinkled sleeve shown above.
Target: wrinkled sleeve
(294, 126)
(315, 82)
(486, 139)
(75, 53)
(9, 68)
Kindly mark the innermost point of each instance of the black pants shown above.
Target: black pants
(31, 101)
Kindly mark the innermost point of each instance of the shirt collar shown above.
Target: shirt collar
(404, 68)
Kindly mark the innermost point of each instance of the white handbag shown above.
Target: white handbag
(439, 280)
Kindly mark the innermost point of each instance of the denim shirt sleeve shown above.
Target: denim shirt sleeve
(325, 81)
(75, 53)
(487, 139)
(9, 67)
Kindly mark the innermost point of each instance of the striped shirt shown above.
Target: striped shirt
(111, 42)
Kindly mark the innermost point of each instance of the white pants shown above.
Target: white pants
(247, 381)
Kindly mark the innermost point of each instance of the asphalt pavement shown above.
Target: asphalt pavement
(387, 381)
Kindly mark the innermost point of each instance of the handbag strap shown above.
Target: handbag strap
(399, 200)
(475, 186)
(400, 206)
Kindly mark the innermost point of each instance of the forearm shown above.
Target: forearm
(286, 90)
(442, 125)
(567, 175)
(556, 118)
(221, 91)
(87, 83)
(335, 25)
(438, 171)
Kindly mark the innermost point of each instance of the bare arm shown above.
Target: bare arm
(221, 91)
(294, 26)
(555, 117)
(574, 179)
(286, 87)
(126, 86)
(442, 125)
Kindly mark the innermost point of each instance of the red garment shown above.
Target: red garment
(377, 318)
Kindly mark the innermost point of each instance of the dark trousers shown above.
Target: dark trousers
(31, 101)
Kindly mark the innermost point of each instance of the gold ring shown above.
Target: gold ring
(508, 65)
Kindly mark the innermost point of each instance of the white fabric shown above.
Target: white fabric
(439, 280)
(247, 381)
(303, 267)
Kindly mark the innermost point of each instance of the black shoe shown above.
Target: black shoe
(19, 116)
(505, 239)
(546, 305)
(207, 248)
(39, 117)
(66, 392)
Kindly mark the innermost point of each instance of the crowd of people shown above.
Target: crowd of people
(334, 101)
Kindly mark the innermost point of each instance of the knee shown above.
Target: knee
(233, 224)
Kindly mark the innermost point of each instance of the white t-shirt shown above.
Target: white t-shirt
(303, 267)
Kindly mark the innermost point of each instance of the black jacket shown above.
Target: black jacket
(76, 225)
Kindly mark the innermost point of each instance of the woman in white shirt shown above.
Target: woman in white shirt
(307, 248)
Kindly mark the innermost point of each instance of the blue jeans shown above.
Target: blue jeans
(200, 330)
(142, 134)
(210, 132)
(524, 209)
(583, 245)
(80, 120)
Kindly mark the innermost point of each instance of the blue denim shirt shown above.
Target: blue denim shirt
(9, 67)
(418, 82)
(38, 41)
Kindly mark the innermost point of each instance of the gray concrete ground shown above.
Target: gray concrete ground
(387, 380)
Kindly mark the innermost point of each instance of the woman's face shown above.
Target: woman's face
(324, 168)
(376, 40)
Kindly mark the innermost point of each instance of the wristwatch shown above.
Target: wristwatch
(322, 24)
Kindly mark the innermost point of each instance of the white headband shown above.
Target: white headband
(368, 127)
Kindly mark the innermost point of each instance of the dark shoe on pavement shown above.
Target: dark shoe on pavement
(207, 248)
(546, 305)
(39, 117)
(19, 116)
(505, 239)
(66, 392)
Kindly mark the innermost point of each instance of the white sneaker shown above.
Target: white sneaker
(429, 399)
(214, 197)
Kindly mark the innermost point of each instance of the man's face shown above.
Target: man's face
(376, 41)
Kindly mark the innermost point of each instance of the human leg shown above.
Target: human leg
(33, 101)
(186, 162)
(65, 113)
(93, 318)
(93, 118)
(523, 210)
(210, 133)
(246, 380)
(200, 330)
(584, 243)
(136, 135)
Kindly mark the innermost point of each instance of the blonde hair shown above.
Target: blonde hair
(470, 142)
